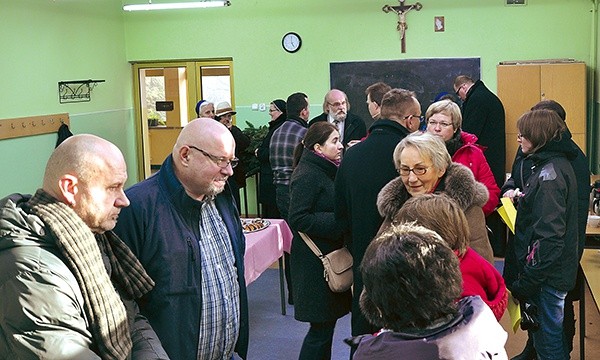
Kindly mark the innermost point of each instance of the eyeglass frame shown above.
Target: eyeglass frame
(417, 173)
(337, 104)
(460, 87)
(217, 159)
(440, 123)
(420, 117)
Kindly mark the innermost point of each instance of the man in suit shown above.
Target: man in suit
(335, 111)
(356, 194)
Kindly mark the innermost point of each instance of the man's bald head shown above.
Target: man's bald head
(88, 173)
(199, 145)
(82, 156)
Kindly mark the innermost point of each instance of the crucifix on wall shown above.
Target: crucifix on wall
(401, 11)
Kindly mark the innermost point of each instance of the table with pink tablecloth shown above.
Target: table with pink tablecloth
(265, 247)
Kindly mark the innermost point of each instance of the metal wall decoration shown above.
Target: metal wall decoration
(76, 90)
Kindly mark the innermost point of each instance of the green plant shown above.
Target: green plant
(256, 135)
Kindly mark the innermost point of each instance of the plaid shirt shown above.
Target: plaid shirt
(281, 150)
(220, 314)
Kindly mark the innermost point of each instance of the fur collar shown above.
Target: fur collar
(458, 183)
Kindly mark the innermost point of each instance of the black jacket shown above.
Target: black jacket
(483, 115)
(365, 169)
(311, 211)
(354, 127)
(521, 170)
(266, 192)
(545, 249)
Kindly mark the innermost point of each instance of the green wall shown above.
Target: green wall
(45, 41)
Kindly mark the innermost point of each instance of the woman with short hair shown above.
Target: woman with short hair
(425, 167)
(411, 283)
(542, 262)
(444, 119)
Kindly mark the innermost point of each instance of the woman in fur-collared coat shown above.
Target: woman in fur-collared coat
(426, 167)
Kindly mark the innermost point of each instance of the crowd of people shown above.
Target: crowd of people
(91, 270)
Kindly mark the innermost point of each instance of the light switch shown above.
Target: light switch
(254, 107)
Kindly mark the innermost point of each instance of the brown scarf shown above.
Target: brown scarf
(102, 304)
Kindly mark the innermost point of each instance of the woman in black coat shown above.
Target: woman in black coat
(266, 190)
(311, 212)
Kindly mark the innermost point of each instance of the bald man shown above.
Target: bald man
(335, 111)
(185, 228)
(57, 255)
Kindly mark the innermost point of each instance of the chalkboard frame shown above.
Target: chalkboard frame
(428, 78)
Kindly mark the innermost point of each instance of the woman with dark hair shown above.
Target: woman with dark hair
(541, 264)
(311, 212)
(441, 214)
(266, 190)
(425, 167)
(411, 283)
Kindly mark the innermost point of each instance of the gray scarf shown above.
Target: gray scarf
(81, 251)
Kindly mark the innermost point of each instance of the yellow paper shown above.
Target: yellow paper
(514, 310)
(508, 213)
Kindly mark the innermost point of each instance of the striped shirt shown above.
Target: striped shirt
(220, 313)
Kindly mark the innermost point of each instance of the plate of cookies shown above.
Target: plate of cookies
(253, 225)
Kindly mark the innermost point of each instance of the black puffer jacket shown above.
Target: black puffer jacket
(459, 184)
(546, 236)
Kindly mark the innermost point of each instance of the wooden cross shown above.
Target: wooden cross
(401, 11)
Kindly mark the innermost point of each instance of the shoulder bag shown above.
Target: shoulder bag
(337, 265)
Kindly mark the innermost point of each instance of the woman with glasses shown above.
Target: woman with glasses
(425, 167)
(541, 264)
(444, 119)
(266, 191)
(311, 212)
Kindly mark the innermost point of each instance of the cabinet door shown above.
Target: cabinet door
(519, 90)
(566, 84)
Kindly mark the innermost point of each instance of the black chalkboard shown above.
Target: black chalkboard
(426, 77)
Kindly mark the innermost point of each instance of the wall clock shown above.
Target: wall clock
(291, 42)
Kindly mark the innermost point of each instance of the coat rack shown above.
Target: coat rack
(76, 90)
(32, 125)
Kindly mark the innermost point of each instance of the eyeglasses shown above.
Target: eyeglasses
(273, 110)
(220, 161)
(418, 170)
(519, 136)
(440, 123)
(460, 87)
(420, 117)
(337, 103)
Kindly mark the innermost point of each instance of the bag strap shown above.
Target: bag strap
(311, 244)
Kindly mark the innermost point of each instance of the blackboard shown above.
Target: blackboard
(426, 77)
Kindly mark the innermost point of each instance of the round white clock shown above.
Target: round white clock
(291, 42)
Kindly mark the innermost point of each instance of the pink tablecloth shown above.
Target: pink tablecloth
(265, 247)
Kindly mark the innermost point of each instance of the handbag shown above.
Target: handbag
(337, 265)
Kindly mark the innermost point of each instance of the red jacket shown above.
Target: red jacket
(471, 155)
(481, 278)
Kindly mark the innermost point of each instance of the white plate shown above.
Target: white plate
(254, 225)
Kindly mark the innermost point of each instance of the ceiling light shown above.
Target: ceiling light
(179, 5)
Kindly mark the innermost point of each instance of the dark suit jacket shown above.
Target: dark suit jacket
(354, 127)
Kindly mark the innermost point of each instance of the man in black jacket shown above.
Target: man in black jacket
(335, 111)
(483, 115)
(365, 169)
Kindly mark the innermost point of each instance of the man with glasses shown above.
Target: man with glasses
(365, 169)
(185, 229)
(335, 111)
(483, 116)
